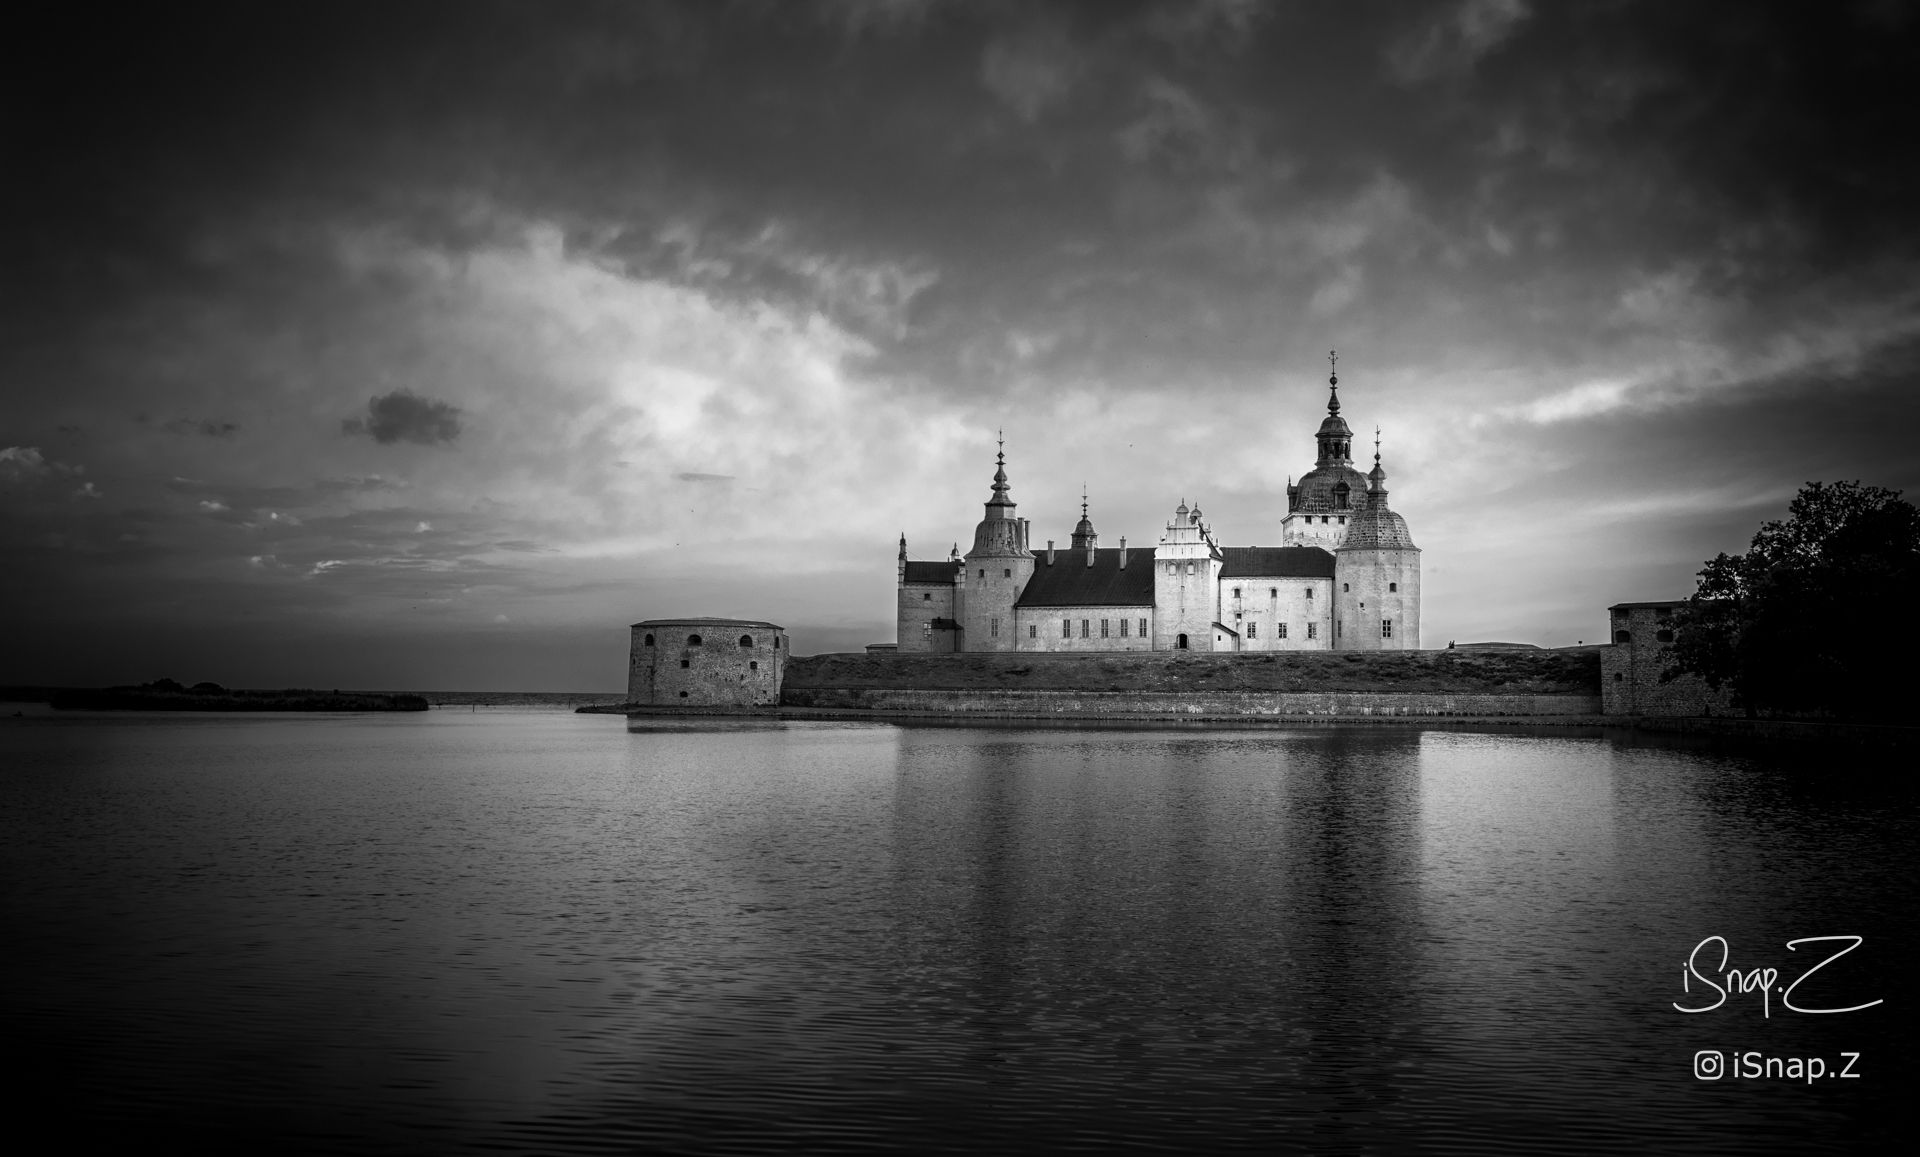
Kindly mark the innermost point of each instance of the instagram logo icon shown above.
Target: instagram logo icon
(1709, 1065)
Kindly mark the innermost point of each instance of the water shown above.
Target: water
(545, 932)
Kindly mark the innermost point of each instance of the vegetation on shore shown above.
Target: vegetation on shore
(167, 695)
(1798, 624)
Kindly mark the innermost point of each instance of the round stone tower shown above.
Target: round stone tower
(1376, 577)
(996, 571)
(706, 663)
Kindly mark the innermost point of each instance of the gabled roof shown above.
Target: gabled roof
(1276, 562)
(932, 572)
(1070, 582)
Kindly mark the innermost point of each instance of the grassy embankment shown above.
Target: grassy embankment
(1572, 671)
(166, 695)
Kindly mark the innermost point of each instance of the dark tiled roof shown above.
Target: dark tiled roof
(932, 572)
(1070, 582)
(709, 623)
(1276, 562)
(1666, 604)
(1377, 528)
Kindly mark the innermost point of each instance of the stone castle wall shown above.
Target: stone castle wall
(706, 663)
(1631, 664)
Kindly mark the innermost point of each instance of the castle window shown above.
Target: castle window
(1282, 629)
(1618, 677)
(983, 572)
(1309, 592)
(1622, 637)
(1143, 628)
(649, 640)
(1386, 628)
(686, 663)
(693, 640)
(1189, 568)
(1123, 628)
(1343, 520)
(1007, 573)
(1253, 630)
(753, 665)
(1392, 587)
(1066, 628)
(1323, 520)
(1273, 592)
(1085, 629)
(683, 694)
(1663, 636)
(1346, 586)
(1103, 628)
(993, 627)
(1313, 630)
(1033, 630)
(928, 597)
(746, 640)
(776, 642)
(1236, 592)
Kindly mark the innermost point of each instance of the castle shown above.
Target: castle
(1346, 577)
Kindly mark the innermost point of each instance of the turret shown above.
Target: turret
(1377, 575)
(1084, 537)
(996, 570)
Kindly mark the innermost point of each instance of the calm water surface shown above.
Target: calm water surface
(546, 932)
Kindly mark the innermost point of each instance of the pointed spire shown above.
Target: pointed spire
(1000, 487)
(1333, 381)
(903, 546)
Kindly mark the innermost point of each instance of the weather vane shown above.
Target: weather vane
(1333, 363)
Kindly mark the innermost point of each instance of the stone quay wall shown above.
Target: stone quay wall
(1043, 704)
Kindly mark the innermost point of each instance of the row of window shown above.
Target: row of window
(695, 641)
(1086, 628)
(752, 665)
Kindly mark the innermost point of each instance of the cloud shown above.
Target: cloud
(18, 462)
(406, 417)
(1032, 70)
(695, 476)
(1451, 43)
(206, 427)
(88, 490)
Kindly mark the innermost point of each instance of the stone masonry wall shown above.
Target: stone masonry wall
(1124, 703)
(1630, 668)
(718, 671)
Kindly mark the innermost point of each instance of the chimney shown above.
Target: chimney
(1123, 552)
(1049, 552)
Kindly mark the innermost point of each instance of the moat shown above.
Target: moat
(541, 931)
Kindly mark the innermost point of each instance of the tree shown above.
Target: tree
(1807, 620)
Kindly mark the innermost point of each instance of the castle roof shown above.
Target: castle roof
(1376, 528)
(703, 622)
(1275, 562)
(933, 572)
(1069, 582)
(1317, 489)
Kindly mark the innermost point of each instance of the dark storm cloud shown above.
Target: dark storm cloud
(206, 427)
(405, 417)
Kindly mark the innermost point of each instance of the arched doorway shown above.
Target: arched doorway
(1180, 643)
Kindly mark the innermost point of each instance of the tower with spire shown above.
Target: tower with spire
(1377, 572)
(995, 571)
(1321, 503)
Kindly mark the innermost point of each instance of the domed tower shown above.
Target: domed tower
(1320, 504)
(996, 570)
(1376, 576)
(1084, 537)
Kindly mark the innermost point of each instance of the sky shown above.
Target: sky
(428, 346)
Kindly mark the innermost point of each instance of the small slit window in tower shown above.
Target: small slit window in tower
(983, 572)
(1309, 592)
(1392, 587)
(686, 663)
(927, 597)
(1346, 586)
(1007, 573)
(649, 640)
